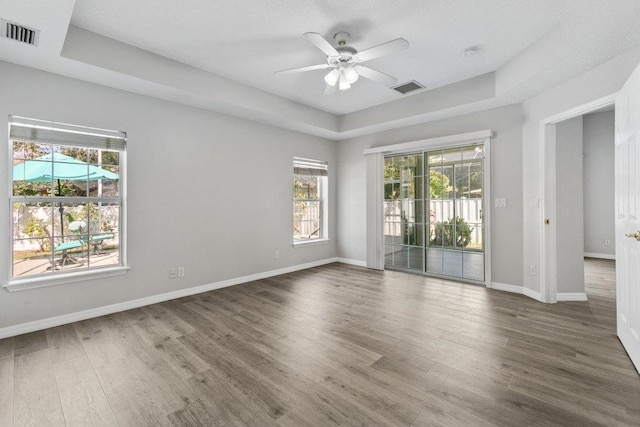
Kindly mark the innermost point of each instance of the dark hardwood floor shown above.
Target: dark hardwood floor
(333, 345)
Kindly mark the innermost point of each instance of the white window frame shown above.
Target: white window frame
(40, 131)
(310, 167)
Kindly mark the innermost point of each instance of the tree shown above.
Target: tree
(438, 184)
(35, 228)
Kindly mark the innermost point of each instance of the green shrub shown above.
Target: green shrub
(444, 233)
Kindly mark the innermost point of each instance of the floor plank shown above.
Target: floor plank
(83, 400)
(36, 395)
(6, 382)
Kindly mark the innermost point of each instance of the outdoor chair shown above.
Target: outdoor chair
(91, 242)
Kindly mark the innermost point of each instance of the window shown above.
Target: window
(309, 200)
(66, 202)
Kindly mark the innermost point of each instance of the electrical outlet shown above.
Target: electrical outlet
(173, 273)
(277, 254)
(607, 242)
(533, 270)
(180, 271)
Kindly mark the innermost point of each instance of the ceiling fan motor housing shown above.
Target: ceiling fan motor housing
(347, 56)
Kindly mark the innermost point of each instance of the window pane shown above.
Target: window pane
(391, 170)
(438, 183)
(305, 187)
(26, 188)
(110, 158)
(306, 220)
(29, 150)
(435, 158)
(31, 256)
(102, 249)
(453, 155)
(476, 152)
(89, 237)
(105, 187)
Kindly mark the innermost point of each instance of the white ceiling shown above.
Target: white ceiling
(223, 51)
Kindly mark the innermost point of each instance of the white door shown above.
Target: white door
(628, 216)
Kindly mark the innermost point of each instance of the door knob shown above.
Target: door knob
(635, 235)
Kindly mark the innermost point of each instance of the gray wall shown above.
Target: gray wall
(599, 203)
(208, 192)
(506, 182)
(569, 209)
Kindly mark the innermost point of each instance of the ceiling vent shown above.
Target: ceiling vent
(405, 88)
(18, 32)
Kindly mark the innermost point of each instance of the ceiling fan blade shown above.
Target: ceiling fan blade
(375, 75)
(322, 44)
(302, 69)
(382, 49)
(330, 90)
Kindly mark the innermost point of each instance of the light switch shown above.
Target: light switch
(501, 203)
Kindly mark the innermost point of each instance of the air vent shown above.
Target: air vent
(20, 33)
(405, 88)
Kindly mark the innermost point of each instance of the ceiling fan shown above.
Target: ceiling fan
(345, 61)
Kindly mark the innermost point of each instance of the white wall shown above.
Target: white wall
(506, 179)
(208, 192)
(599, 142)
(569, 248)
(603, 80)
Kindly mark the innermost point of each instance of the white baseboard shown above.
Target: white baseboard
(37, 325)
(565, 296)
(517, 290)
(571, 296)
(601, 256)
(507, 288)
(352, 262)
(532, 294)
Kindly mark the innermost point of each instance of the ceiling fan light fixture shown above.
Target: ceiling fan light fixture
(332, 77)
(351, 75)
(344, 82)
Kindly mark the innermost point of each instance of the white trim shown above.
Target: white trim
(571, 296)
(50, 322)
(583, 109)
(301, 243)
(63, 278)
(507, 288)
(355, 262)
(547, 185)
(522, 291)
(532, 294)
(486, 215)
(600, 256)
(440, 141)
(374, 189)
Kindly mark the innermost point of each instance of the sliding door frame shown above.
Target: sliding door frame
(375, 192)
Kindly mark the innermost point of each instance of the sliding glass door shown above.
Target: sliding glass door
(433, 212)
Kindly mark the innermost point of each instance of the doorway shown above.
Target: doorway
(559, 262)
(434, 212)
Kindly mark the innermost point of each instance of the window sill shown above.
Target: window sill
(63, 278)
(310, 242)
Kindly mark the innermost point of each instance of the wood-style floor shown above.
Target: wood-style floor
(333, 345)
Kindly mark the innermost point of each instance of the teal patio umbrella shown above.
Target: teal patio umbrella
(57, 166)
